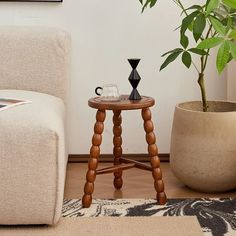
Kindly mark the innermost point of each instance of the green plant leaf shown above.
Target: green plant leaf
(186, 59)
(230, 3)
(146, 4)
(219, 28)
(171, 51)
(230, 58)
(229, 24)
(190, 27)
(194, 7)
(170, 59)
(187, 21)
(152, 3)
(212, 5)
(232, 49)
(232, 35)
(199, 26)
(198, 7)
(210, 43)
(198, 51)
(222, 56)
(234, 20)
(184, 40)
(220, 13)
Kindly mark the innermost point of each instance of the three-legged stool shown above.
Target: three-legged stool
(121, 163)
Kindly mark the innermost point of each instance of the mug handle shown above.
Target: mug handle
(96, 91)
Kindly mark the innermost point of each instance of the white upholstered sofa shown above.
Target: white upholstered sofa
(34, 66)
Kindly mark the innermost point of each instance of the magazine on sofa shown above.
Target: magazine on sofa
(6, 103)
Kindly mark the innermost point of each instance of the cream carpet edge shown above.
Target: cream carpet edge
(112, 226)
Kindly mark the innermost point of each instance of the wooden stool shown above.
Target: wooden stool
(120, 163)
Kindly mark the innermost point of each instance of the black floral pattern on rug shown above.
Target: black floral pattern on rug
(217, 217)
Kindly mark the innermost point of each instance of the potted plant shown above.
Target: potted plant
(203, 140)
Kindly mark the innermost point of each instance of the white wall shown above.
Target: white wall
(104, 34)
(231, 83)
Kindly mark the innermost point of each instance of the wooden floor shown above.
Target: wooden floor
(137, 184)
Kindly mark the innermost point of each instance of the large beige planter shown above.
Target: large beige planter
(203, 146)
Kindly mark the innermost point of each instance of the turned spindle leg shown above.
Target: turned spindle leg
(93, 160)
(117, 150)
(153, 152)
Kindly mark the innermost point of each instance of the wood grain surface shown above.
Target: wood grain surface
(123, 104)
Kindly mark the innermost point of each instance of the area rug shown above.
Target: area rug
(216, 217)
(111, 226)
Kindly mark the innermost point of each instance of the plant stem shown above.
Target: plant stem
(195, 67)
(203, 91)
(204, 59)
(203, 63)
(201, 74)
(178, 3)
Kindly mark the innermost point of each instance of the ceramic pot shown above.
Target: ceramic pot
(203, 146)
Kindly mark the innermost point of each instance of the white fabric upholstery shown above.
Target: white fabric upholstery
(32, 159)
(34, 58)
(33, 153)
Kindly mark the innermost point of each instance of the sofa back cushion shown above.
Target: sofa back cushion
(34, 58)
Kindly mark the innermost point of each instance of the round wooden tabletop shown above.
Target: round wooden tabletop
(123, 104)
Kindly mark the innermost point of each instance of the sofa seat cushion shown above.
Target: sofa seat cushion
(32, 159)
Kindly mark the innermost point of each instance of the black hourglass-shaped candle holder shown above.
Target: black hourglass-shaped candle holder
(134, 79)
